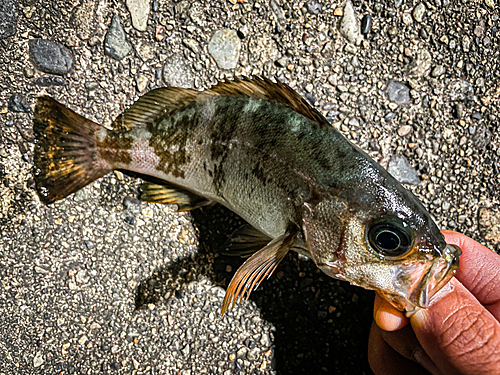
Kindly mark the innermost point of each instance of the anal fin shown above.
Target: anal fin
(170, 194)
(256, 268)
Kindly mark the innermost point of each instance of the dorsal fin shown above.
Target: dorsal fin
(163, 101)
(155, 103)
(263, 88)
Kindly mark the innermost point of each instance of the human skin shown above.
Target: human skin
(458, 334)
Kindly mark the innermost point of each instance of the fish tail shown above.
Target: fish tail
(66, 155)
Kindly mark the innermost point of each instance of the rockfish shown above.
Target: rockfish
(262, 151)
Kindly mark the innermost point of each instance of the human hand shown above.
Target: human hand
(458, 334)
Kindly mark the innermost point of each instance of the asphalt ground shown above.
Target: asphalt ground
(103, 283)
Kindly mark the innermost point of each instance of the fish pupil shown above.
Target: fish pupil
(388, 240)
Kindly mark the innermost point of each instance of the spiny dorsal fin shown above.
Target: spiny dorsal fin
(245, 241)
(163, 101)
(169, 194)
(152, 105)
(263, 88)
(259, 266)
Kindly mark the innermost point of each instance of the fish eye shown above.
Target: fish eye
(389, 240)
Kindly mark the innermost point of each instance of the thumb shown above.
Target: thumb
(459, 334)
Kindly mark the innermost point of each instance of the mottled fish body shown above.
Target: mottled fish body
(262, 151)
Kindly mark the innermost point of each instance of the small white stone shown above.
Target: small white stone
(141, 83)
(38, 359)
(418, 12)
(139, 12)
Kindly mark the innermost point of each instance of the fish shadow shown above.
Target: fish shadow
(322, 324)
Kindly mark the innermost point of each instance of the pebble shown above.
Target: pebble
(278, 12)
(145, 50)
(366, 23)
(349, 26)
(477, 116)
(129, 220)
(17, 103)
(490, 3)
(350, 48)
(282, 62)
(139, 12)
(176, 72)
(28, 72)
(303, 61)
(141, 82)
(407, 20)
(398, 92)
(459, 111)
(49, 81)
(354, 122)
(438, 71)
(389, 116)
(38, 359)
(313, 7)
(50, 57)
(224, 47)
(8, 18)
(191, 44)
(404, 130)
(460, 90)
(402, 171)
(115, 42)
(418, 12)
(160, 33)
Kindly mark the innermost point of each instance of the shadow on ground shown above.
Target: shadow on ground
(322, 324)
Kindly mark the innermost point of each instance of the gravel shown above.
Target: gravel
(17, 103)
(103, 283)
(224, 47)
(50, 57)
(116, 45)
(402, 171)
(8, 18)
(349, 25)
(366, 24)
(139, 12)
(176, 72)
(398, 92)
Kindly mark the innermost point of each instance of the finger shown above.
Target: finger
(386, 316)
(459, 334)
(479, 270)
(406, 344)
(384, 360)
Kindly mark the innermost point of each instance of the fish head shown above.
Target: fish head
(398, 252)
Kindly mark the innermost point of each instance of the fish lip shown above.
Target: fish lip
(438, 275)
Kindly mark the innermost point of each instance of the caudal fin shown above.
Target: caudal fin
(66, 154)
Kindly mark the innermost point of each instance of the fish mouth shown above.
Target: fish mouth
(438, 275)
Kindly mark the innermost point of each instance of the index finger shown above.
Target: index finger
(479, 270)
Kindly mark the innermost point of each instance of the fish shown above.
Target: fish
(258, 148)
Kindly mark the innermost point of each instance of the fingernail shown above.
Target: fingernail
(418, 318)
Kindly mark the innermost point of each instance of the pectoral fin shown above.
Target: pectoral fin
(245, 241)
(260, 265)
(169, 194)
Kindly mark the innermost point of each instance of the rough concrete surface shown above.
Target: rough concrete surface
(101, 283)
